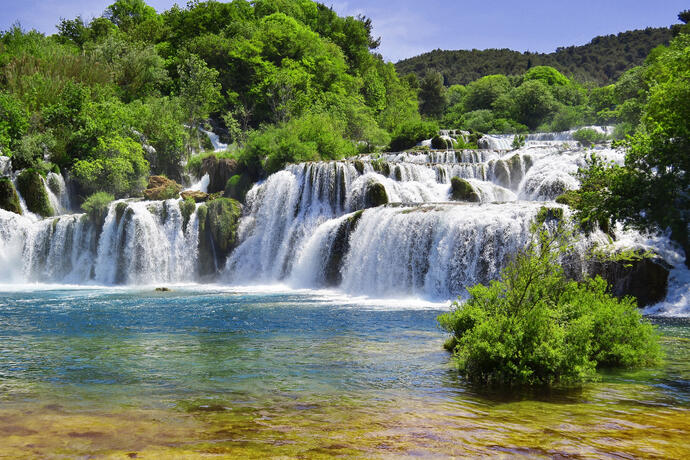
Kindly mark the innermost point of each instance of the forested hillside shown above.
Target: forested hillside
(601, 61)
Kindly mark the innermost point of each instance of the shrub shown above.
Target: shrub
(96, 205)
(409, 134)
(534, 327)
(588, 136)
(518, 141)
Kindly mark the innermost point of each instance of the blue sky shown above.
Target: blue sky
(411, 27)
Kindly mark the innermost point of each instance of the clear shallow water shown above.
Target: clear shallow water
(215, 371)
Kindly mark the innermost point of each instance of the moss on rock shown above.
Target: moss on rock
(187, 208)
(218, 223)
(375, 195)
(238, 186)
(359, 166)
(461, 190)
(9, 200)
(162, 188)
(30, 186)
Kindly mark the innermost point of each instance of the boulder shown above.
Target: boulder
(461, 190)
(9, 200)
(30, 187)
(219, 172)
(645, 278)
(161, 188)
(195, 195)
(375, 195)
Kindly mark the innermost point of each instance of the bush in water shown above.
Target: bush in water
(535, 327)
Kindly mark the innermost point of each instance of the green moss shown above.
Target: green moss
(187, 208)
(546, 213)
(439, 143)
(461, 190)
(375, 195)
(218, 222)
(30, 186)
(359, 166)
(9, 200)
(120, 209)
(96, 206)
(238, 186)
(381, 166)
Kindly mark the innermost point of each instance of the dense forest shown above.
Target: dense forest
(603, 60)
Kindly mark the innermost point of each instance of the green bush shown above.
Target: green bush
(410, 133)
(588, 136)
(535, 327)
(518, 141)
(96, 205)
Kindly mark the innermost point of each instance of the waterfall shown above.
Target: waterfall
(306, 226)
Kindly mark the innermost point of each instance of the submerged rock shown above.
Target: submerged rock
(645, 278)
(161, 188)
(461, 190)
(163, 289)
(30, 186)
(9, 200)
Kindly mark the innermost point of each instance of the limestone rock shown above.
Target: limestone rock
(219, 172)
(161, 188)
(195, 195)
(30, 186)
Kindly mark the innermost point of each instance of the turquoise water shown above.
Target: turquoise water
(221, 360)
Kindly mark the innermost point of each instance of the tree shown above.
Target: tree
(432, 95)
(199, 91)
(533, 102)
(128, 13)
(482, 93)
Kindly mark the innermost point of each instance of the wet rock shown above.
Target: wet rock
(9, 200)
(339, 248)
(30, 186)
(195, 195)
(161, 188)
(359, 166)
(461, 190)
(218, 222)
(375, 195)
(163, 289)
(645, 278)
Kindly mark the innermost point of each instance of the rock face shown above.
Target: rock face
(461, 190)
(218, 221)
(375, 195)
(195, 195)
(30, 186)
(161, 188)
(646, 279)
(219, 172)
(340, 247)
(9, 200)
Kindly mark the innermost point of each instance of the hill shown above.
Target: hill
(601, 61)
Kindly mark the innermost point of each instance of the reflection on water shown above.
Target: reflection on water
(91, 372)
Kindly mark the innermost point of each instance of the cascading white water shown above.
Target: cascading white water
(140, 243)
(305, 226)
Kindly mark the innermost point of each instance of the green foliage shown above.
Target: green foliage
(96, 205)
(432, 95)
(601, 61)
(481, 94)
(588, 136)
(518, 141)
(409, 134)
(117, 165)
(534, 327)
(14, 122)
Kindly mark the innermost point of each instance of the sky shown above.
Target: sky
(410, 27)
